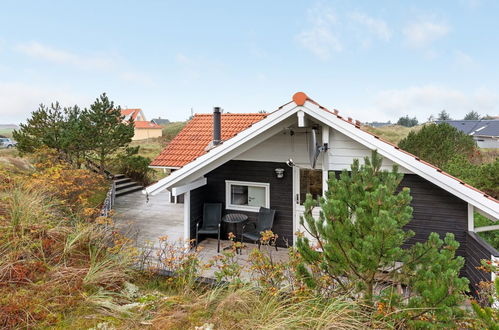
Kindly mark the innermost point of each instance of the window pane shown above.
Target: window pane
(310, 183)
(256, 196)
(239, 195)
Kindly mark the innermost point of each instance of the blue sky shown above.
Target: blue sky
(372, 60)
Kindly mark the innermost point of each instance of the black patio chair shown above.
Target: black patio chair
(210, 222)
(264, 222)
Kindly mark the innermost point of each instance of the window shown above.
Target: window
(246, 196)
(310, 183)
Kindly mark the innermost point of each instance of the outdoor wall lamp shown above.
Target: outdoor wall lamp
(279, 173)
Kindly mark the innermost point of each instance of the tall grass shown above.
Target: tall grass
(51, 256)
(170, 130)
(106, 269)
(391, 133)
(26, 206)
(248, 308)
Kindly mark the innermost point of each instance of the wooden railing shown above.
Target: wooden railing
(476, 250)
(109, 201)
(91, 165)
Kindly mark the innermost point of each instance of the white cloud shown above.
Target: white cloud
(377, 27)
(321, 37)
(423, 33)
(44, 52)
(471, 3)
(191, 68)
(108, 63)
(137, 77)
(18, 100)
(464, 61)
(328, 32)
(183, 59)
(422, 101)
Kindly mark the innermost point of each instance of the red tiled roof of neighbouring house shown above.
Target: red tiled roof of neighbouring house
(133, 112)
(193, 139)
(145, 124)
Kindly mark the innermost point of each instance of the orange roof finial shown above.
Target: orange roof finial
(300, 98)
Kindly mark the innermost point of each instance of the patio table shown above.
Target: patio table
(235, 219)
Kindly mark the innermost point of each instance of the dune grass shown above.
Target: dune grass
(149, 148)
(391, 133)
(170, 130)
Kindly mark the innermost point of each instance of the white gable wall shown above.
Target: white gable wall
(282, 146)
(344, 150)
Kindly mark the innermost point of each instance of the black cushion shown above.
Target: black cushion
(254, 236)
(212, 230)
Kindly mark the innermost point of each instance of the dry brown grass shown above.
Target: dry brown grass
(487, 155)
(249, 308)
(391, 133)
(52, 255)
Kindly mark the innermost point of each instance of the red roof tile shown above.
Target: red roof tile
(145, 124)
(133, 112)
(193, 139)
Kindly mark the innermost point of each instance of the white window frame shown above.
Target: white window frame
(229, 206)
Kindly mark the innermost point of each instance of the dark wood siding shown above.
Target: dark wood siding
(196, 206)
(435, 210)
(476, 250)
(281, 193)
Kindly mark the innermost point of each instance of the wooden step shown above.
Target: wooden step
(128, 190)
(125, 185)
(122, 181)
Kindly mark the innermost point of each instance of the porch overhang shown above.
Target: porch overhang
(177, 191)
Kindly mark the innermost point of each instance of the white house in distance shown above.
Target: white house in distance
(272, 160)
(143, 129)
(484, 132)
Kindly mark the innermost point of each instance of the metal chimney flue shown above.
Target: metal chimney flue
(217, 126)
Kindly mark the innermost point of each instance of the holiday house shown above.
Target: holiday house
(272, 160)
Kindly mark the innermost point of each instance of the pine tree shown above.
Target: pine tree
(108, 130)
(76, 134)
(44, 128)
(472, 115)
(431, 270)
(443, 115)
(407, 122)
(360, 226)
(360, 237)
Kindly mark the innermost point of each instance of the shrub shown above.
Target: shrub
(135, 166)
(78, 189)
(482, 176)
(438, 143)
(486, 311)
(491, 237)
(407, 122)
